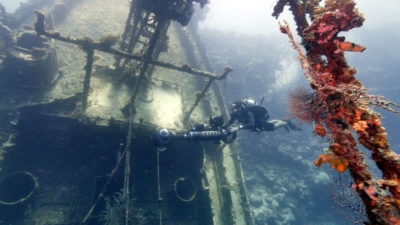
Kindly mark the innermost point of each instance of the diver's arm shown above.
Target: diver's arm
(230, 122)
(250, 122)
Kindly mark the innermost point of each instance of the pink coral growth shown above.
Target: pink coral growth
(341, 103)
(299, 104)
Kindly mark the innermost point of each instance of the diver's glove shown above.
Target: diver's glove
(233, 129)
(245, 127)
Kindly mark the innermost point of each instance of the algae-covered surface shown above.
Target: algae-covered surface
(77, 154)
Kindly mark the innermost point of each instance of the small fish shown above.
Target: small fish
(349, 46)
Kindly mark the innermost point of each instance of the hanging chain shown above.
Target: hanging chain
(128, 168)
(100, 196)
(160, 199)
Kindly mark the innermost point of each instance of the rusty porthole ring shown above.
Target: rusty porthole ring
(22, 199)
(182, 198)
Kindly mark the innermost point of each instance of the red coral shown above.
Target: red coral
(338, 163)
(320, 130)
(360, 126)
(341, 103)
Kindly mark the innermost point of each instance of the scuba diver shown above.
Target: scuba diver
(254, 117)
(248, 113)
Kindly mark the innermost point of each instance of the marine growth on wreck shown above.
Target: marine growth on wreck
(340, 106)
(82, 106)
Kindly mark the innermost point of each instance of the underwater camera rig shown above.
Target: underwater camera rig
(199, 132)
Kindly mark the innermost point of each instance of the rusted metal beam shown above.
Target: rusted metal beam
(88, 75)
(227, 69)
(40, 30)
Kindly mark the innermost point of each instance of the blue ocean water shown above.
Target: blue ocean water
(11, 5)
(266, 66)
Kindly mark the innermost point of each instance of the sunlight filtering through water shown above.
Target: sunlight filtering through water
(11, 5)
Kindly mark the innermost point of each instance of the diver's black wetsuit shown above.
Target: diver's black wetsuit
(253, 117)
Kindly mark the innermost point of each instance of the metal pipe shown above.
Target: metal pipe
(40, 30)
(88, 74)
(203, 92)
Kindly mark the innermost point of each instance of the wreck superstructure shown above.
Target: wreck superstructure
(82, 105)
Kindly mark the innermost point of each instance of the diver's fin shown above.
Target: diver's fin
(292, 126)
